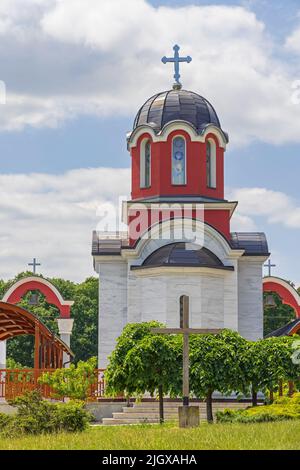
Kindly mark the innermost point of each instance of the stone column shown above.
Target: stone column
(2, 354)
(65, 326)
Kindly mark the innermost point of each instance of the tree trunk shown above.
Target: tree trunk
(209, 410)
(161, 404)
(271, 396)
(254, 396)
(280, 391)
(291, 389)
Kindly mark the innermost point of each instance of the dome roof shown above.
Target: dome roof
(177, 105)
(183, 254)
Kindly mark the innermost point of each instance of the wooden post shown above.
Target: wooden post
(186, 364)
(37, 341)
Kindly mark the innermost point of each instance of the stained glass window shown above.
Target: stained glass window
(145, 179)
(211, 164)
(178, 161)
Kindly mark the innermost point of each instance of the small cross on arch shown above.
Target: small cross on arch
(34, 265)
(269, 265)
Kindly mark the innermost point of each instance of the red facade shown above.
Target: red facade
(161, 174)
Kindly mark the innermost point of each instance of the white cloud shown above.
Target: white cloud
(276, 207)
(64, 58)
(52, 217)
(293, 40)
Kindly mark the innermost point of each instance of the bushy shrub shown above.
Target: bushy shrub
(4, 420)
(258, 414)
(73, 382)
(38, 416)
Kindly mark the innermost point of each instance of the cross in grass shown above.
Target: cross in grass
(186, 331)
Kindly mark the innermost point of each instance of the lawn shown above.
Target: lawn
(279, 435)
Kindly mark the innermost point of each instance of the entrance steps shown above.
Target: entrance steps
(148, 412)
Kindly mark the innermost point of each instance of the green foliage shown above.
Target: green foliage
(73, 382)
(84, 340)
(12, 364)
(216, 363)
(278, 316)
(269, 361)
(5, 420)
(116, 375)
(152, 363)
(282, 409)
(38, 416)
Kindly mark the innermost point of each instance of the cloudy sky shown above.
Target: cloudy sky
(76, 72)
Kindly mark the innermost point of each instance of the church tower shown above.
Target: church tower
(179, 240)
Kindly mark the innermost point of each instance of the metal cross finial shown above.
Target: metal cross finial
(176, 60)
(34, 265)
(269, 265)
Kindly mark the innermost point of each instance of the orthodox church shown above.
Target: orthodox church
(179, 241)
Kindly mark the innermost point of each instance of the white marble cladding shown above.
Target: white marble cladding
(113, 306)
(157, 298)
(250, 294)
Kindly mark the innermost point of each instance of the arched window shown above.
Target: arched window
(182, 300)
(145, 164)
(211, 164)
(178, 161)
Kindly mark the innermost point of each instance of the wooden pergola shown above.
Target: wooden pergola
(48, 348)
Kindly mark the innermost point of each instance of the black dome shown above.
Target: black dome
(183, 254)
(177, 105)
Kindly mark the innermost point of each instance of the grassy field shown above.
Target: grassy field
(279, 435)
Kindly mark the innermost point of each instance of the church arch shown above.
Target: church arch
(207, 236)
(51, 293)
(286, 292)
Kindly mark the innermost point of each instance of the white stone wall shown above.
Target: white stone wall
(112, 306)
(157, 298)
(2, 354)
(250, 303)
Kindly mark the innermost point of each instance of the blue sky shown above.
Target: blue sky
(72, 96)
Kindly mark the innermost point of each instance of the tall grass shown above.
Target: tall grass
(281, 435)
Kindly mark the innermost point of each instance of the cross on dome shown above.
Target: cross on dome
(176, 60)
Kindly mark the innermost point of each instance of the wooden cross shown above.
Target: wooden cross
(186, 332)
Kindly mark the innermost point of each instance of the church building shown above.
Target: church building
(179, 242)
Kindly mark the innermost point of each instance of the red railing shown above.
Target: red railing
(15, 382)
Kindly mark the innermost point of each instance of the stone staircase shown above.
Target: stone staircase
(148, 412)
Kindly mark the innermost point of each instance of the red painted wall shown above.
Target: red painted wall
(219, 219)
(285, 295)
(16, 296)
(161, 177)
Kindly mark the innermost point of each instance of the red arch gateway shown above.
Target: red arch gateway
(286, 292)
(52, 295)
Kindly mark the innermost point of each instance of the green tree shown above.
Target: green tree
(216, 365)
(143, 362)
(276, 317)
(267, 362)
